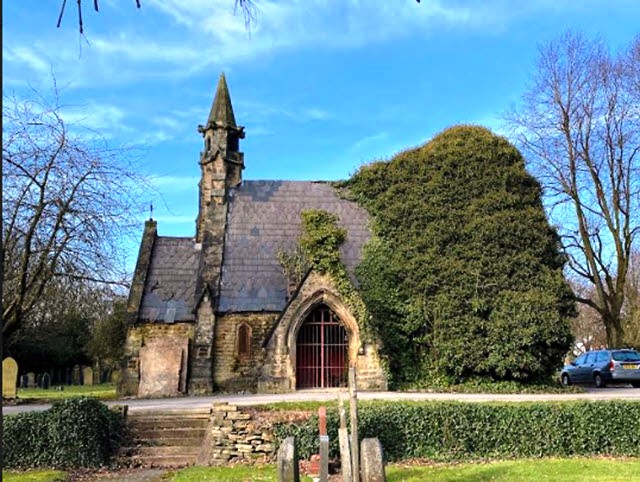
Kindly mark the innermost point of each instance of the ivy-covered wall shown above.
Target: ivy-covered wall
(463, 277)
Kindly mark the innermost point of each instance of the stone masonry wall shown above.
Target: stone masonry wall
(231, 372)
(137, 335)
(232, 435)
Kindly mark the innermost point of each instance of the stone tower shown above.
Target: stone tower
(221, 162)
(221, 165)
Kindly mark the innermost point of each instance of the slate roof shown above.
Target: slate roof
(264, 217)
(170, 288)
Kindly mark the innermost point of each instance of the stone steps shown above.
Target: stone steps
(165, 439)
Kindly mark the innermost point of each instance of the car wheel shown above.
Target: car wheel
(599, 381)
(565, 380)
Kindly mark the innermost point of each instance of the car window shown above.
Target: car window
(603, 357)
(591, 358)
(626, 356)
(580, 359)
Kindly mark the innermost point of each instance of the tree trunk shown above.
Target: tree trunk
(615, 331)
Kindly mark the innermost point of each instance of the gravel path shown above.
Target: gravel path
(609, 393)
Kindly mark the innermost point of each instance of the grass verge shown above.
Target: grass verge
(565, 470)
(34, 476)
(105, 391)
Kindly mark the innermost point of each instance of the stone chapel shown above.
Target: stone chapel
(214, 312)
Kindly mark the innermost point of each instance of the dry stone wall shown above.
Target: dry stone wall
(234, 435)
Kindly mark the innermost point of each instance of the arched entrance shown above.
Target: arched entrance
(322, 349)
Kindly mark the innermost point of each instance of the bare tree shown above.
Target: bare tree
(246, 7)
(631, 309)
(67, 202)
(579, 125)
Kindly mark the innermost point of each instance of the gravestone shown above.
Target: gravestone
(116, 376)
(288, 461)
(87, 376)
(9, 378)
(372, 461)
(39, 380)
(32, 379)
(46, 381)
(76, 373)
(24, 381)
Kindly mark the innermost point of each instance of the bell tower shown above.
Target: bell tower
(221, 162)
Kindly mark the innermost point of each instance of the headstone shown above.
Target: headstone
(87, 376)
(32, 379)
(46, 381)
(372, 461)
(9, 378)
(69, 377)
(24, 381)
(288, 461)
(96, 374)
(39, 380)
(75, 375)
(116, 376)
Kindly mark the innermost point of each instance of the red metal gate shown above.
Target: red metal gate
(321, 352)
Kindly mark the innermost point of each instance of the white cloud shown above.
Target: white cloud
(26, 56)
(178, 38)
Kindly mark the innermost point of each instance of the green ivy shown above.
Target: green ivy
(456, 431)
(78, 432)
(463, 275)
(319, 248)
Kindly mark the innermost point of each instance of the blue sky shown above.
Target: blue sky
(321, 86)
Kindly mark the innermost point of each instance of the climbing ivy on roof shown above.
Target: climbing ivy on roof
(463, 276)
(319, 248)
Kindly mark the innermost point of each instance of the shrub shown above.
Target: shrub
(463, 276)
(456, 430)
(78, 432)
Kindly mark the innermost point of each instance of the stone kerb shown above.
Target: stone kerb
(232, 435)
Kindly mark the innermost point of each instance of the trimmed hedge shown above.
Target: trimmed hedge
(78, 432)
(458, 430)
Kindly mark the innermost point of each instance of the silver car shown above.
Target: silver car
(603, 367)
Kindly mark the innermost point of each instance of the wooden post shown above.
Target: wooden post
(355, 445)
(324, 445)
(343, 439)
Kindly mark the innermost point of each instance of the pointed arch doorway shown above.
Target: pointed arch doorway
(322, 349)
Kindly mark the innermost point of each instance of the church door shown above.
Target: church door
(322, 351)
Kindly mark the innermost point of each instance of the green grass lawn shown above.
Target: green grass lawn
(560, 470)
(34, 476)
(105, 391)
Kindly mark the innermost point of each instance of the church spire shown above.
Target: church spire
(221, 110)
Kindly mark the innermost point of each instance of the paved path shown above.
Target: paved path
(609, 393)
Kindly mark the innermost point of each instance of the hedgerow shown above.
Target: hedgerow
(455, 430)
(78, 432)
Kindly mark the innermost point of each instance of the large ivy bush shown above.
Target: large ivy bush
(457, 430)
(78, 432)
(463, 277)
